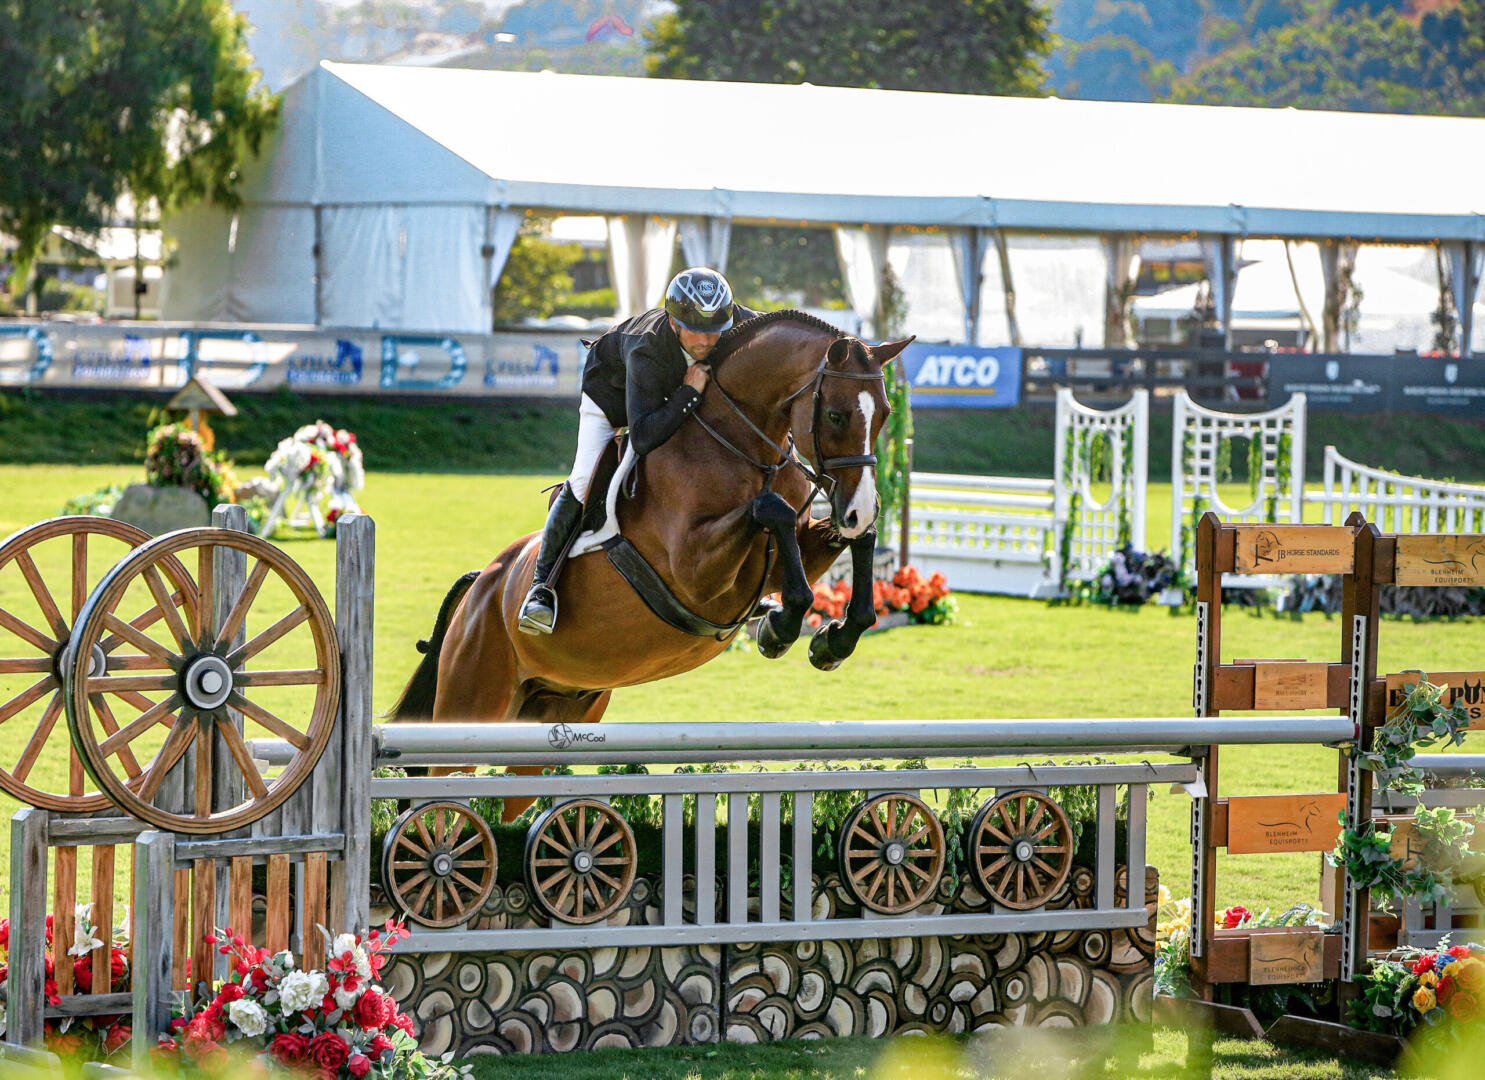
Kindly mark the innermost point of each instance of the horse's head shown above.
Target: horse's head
(843, 416)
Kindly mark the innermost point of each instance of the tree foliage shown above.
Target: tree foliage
(154, 98)
(955, 46)
(1364, 57)
(772, 266)
(535, 278)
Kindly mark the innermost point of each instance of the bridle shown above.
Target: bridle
(819, 476)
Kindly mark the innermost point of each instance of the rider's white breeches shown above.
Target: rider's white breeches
(594, 433)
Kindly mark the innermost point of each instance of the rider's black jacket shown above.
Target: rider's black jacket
(636, 374)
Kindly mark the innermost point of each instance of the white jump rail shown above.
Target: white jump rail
(1005, 534)
(1398, 503)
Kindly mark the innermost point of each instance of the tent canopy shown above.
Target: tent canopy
(831, 154)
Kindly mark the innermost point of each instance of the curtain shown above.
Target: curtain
(273, 265)
(361, 266)
(1121, 255)
(968, 246)
(863, 260)
(640, 250)
(1463, 266)
(1217, 253)
(196, 287)
(705, 240)
(443, 270)
(501, 228)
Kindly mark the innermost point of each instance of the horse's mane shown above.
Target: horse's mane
(733, 340)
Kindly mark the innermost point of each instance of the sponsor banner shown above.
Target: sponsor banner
(164, 357)
(963, 376)
(1367, 384)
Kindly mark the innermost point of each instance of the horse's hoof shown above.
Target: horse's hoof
(770, 646)
(820, 654)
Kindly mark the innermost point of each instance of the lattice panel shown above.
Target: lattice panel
(1397, 503)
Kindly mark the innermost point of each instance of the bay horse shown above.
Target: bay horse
(711, 509)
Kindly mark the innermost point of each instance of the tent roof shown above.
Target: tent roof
(830, 154)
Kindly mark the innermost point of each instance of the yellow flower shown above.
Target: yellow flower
(1469, 974)
(1164, 895)
(1423, 999)
(1429, 978)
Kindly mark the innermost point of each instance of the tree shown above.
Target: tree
(954, 46)
(535, 277)
(1356, 61)
(157, 99)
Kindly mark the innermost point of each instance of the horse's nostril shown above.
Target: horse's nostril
(851, 519)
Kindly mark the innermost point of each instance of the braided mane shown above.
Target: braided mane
(741, 333)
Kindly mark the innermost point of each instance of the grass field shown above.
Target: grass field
(1003, 658)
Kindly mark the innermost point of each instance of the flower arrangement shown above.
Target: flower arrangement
(925, 600)
(175, 457)
(1173, 935)
(1131, 578)
(271, 1018)
(1441, 993)
(80, 1038)
(321, 463)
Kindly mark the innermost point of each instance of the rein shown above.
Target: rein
(819, 476)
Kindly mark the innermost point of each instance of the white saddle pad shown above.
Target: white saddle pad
(593, 539)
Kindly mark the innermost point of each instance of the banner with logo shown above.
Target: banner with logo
(163, 357)
(963, 376)
(1368, 384)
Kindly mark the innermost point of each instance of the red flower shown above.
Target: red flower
(1424, 963)
(5, 934)
(53, 996)
(82, 973)
(117, 967)
(1462, 952)
(201, 1036)
(289, 1047)
(229, 993)
(65, 1045)
(116, 1037)
(358, 1065)
(404, 1022)
(329, 1050)
(1445, 989)
(1234, 916)
(371, 1011)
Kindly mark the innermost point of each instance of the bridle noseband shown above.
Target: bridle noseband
(819, 476)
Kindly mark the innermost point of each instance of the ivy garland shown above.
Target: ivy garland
(1420, 719)
(1188, 532)
(1222, 462)
(1126, 494)
(1071, 452)
(1283, 458)
(892, 473)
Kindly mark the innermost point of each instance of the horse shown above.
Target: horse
(720, 512)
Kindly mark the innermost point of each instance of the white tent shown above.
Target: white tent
(391, 195)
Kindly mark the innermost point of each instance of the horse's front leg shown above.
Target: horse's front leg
(837, 639)
(780, 627)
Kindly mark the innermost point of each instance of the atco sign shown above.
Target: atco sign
(963, 376)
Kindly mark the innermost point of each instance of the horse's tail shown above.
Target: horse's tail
(416, 702)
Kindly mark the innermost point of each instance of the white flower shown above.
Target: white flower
(84, 940)
(296, 992)
(248, 1016)
(346, 999)
(363, 963)
(343, 944)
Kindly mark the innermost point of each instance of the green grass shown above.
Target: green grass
(1003, 658)
(975, 1058)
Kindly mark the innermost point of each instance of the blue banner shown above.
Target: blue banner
(963, 376)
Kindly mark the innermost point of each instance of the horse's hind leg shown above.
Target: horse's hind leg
(547, 707)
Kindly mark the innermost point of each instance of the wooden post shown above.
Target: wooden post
(1361, 630)
(1203, 809)
(355, 581)
(25, 1001)
(153, 936)
(229, 575)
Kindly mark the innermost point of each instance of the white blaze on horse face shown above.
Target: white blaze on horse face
(864, 501)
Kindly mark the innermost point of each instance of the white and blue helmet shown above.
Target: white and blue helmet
(700, 299)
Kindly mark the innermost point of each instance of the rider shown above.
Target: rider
(647, 373)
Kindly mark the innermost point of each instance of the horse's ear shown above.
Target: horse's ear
(840, 348)
(886, 352)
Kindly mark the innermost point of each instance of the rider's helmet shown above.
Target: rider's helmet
(700, 299)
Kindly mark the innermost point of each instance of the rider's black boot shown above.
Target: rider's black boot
(539, 611)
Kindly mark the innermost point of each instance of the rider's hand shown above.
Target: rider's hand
(696, 376)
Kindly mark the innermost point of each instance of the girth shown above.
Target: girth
(651, 588)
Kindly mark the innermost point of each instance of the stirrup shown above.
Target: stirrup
(538, 611)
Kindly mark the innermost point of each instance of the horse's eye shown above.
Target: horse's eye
(836, 417)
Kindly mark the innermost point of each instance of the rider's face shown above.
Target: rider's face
(696, 343)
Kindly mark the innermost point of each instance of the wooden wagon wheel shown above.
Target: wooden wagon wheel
(204, 680)
(439, 863)
(1021, 848)
(892, 853)
(580, 860)
(29, 647)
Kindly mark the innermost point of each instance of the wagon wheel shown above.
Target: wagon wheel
(580, 860)
(1021, 847)
(439, 863)
(203, 682)
(36, 650)
(892, 853)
